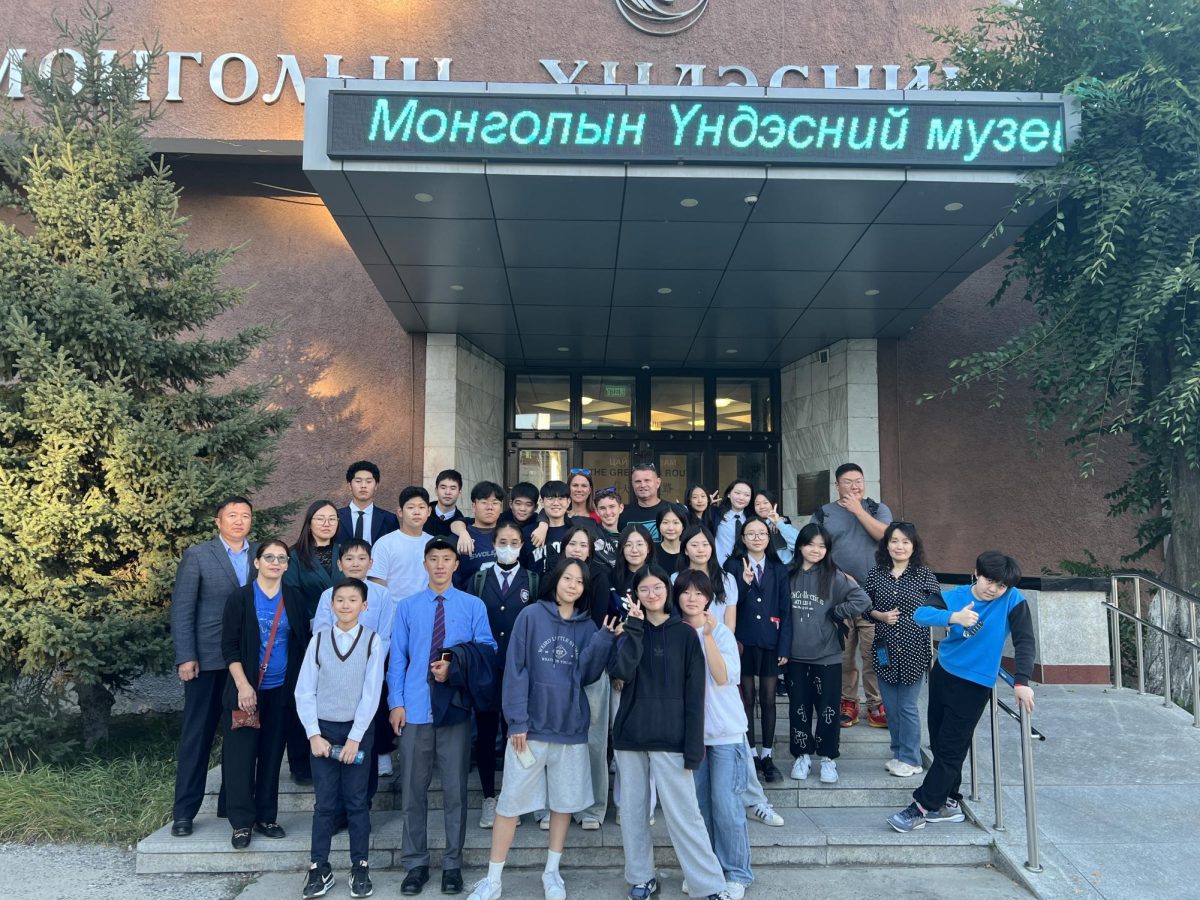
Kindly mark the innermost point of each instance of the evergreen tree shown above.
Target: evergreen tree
(1112, 274)
(117, 439)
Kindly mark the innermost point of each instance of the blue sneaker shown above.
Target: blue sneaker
(908, 819)
(643, 891)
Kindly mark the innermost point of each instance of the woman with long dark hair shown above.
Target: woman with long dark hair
(671, 522)
(264, 634)
(725, 520)
(697, 501)
(635, 551)
(700, 553)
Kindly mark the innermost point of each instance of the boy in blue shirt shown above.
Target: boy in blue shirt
(978, 616)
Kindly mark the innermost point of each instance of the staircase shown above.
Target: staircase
(825, 825)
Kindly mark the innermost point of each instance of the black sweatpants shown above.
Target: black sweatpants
(250, 759)
(955, 706)
(813, 695)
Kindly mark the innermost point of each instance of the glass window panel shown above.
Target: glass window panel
(743, 404)
(542, 403)
(749, 466)
(676, 404)
(678, 469)
(610, 469)
(607, 401)
(539, 466)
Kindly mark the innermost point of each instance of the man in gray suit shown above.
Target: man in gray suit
(208, 574)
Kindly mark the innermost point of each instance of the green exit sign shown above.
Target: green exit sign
(616, 391)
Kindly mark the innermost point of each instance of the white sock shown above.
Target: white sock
(495, 872)
(552, 860)
(766, 752)
(759, 752)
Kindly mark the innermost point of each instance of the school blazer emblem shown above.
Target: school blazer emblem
(662, 17)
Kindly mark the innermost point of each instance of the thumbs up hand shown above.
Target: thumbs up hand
(966, 617)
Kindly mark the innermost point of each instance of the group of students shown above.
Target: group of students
(652, 632)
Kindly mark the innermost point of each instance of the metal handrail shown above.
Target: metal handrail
(1033, 862)
(1191, 641)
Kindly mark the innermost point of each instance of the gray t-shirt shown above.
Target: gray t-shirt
(853, 548)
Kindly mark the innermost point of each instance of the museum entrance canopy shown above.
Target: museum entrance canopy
(624, 225)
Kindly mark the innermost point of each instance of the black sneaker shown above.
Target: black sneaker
(770, 774)
(360, 881)
(318, 882)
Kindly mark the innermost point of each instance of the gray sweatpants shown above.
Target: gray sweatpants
(598, 695)
(420, 746)
(685, 825)
(754, 794)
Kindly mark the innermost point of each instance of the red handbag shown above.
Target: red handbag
(241, 718)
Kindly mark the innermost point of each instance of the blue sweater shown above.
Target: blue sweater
(549, 661)
(976, 656)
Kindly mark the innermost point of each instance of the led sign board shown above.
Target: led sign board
(770, 131)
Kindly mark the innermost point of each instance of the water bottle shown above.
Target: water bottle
(336, 750)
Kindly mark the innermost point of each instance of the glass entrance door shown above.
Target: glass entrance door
(539, 465)
(678, 467)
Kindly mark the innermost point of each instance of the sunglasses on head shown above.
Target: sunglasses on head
(587, 472)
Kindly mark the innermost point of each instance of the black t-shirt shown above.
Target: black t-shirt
(436, 526)
(605, 547)
(644, 515)
(545, 556)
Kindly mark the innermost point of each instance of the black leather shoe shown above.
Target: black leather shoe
(452, 881)
(415, 880)
(301, 779)
(271, 830)
(241, 838)
(181, 828)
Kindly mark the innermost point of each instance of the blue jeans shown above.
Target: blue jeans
(720, 782)
(904, 719)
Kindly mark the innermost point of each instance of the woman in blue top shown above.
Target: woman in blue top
(250, 757)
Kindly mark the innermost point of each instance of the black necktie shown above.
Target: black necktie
(358, 526)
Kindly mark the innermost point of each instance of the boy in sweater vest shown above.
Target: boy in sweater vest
(336, 697)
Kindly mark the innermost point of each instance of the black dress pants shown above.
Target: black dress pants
(201, 716)
(250, 761)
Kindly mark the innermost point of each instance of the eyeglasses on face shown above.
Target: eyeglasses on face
(324, 520)
(648, 590)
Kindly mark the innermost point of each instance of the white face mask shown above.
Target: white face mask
(506, 556)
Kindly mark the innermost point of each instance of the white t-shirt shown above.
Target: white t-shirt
(724, 714)
(400, 561)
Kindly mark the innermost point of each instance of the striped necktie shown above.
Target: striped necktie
(439, 630)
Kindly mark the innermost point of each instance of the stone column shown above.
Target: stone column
(464, 412)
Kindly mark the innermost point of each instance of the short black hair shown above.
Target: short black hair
(524, 490)
(688, 578)
(232, 499)
(847, 467)
(995, 566)
(439, 543)
(413, 490)
(550, 588)
(553, 489)
(354, 544)
(363, 465)
(449, 475)
(486, 490)
(357, 583)
(272, 542)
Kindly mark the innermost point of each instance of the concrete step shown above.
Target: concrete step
(846, 835)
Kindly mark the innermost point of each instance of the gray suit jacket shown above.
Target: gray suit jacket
(203, 583)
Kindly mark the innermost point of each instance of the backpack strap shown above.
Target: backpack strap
(477, 581)
(533, 585)
(819, 515)
(317, 651)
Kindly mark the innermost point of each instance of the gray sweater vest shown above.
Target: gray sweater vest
(340, 681)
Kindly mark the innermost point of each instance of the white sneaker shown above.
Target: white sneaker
(766, 814)
(553, 886)
(618, 817)
(544, 824)
(890, 765)
(485, 889)
(385, 765)
(904, 770)
(829, 773)
(734, 890)
(589, 823)
(801, 767)
(487, 817)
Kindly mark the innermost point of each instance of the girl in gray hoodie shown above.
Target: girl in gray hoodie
(810, 645)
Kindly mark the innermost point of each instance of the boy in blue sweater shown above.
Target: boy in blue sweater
(979, 617)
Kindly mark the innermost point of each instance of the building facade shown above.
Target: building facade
(515, 311)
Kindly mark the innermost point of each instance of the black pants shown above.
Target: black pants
(341, 789)
(813, 695)
(383, 738)
(488, 727)
(250, 761)
(298, 753)
(201, 716)
(955, 706)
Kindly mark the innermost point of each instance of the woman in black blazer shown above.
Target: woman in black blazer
(251, 757)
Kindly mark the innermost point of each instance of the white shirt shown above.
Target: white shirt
(306, 686)
(367, 512)
(399, 560)
(379, 616)
(725, 534)
(724, 714)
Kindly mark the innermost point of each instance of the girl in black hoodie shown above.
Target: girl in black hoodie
(659, 733)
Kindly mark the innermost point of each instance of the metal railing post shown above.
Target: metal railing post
(999, 796)
(1114, 624)
(974, 770)
(1032, 863)
(1166, 642)
(1195, 669)
(1137, 626)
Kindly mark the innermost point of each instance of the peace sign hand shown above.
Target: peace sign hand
(635, 608)
(747, 572)
(614, 626)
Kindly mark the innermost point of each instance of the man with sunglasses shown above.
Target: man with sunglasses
(856, 524)
(648, 504)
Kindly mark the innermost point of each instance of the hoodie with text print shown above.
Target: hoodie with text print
(662, 703)
(810, 627)
(549, 661)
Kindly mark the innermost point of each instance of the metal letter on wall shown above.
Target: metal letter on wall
(662, 17)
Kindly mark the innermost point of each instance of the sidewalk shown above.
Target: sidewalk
(1118, 794)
